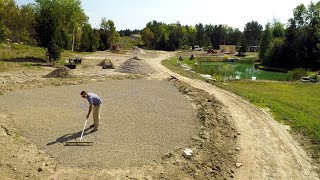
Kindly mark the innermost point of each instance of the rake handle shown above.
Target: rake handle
(85, 123)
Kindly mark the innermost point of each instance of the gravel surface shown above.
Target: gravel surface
(135, 66)
(141, 121)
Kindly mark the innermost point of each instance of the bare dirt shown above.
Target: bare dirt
(61, 72)
(229, 131)
(267, 149)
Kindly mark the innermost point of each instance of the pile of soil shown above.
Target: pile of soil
(138, 51)
(61, 72)
(107, 64)
(135, 66)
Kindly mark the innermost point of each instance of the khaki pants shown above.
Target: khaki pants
(96, 116)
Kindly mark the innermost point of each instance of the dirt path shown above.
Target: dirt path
(268, 150)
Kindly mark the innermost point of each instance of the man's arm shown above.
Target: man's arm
(90, 110)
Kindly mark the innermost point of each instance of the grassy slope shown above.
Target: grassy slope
(295, 104)
(20, 53)
(13, 56)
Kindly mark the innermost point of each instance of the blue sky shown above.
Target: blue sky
(128, 14)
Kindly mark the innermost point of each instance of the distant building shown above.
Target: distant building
(228, 49)
(253, 48)
(135, 36)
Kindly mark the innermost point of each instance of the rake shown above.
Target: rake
(80, 143)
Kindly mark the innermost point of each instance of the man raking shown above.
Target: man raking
(94, 106)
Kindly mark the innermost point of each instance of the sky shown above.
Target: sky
(128, 14)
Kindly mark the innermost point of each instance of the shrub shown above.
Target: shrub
(226, 58)
(313, 75)
(296, 74)
(191, 57)
(217, 77)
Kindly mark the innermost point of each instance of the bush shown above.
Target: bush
(54, 51)
(191, 57)
(296, 74)
(313, 75)
(226, 58)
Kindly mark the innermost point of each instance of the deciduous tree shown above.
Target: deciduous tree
(147, 37)
(252, 33)
(265, 42)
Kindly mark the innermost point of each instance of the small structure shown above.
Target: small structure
(230, 49)
(71, 66)
(187, 153)
(75, 61)
(232, 59)
(241, 54)
(254, 48)
(135, 37)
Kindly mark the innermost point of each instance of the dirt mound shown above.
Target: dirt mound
(135, 66)
(107, 64)
(138, 51)
(61, 72)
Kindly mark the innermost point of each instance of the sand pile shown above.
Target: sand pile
(135, 66)
(107, 64)
(61, 72)
(138, 51)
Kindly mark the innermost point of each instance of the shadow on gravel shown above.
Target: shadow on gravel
(26, 59)
(69, 137)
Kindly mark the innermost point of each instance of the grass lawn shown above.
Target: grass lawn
(295, 104)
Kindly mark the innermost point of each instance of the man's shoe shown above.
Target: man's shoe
(92, 126)
(94, 130)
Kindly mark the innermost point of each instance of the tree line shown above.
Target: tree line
(161, 36)
(298, 44)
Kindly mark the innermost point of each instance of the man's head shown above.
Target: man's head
(83, 94)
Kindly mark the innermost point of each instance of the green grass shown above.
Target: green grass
(294, 104)
(13, 56)
(127, 42)
(12, 51)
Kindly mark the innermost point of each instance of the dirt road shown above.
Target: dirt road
(268, 150)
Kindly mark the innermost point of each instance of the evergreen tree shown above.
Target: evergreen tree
(85, 38)
(2, 31)
(252, 32)
(200, 34)
(49, 31)
(243, 44)
(95, 40)
(265, 42)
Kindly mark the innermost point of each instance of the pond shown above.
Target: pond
(236, 70)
